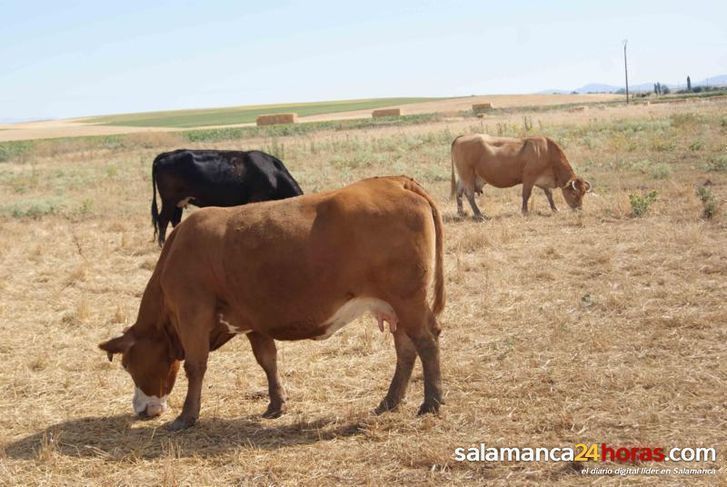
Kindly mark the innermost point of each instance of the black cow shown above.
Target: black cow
(214, 178)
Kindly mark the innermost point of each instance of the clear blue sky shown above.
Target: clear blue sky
(71, 58)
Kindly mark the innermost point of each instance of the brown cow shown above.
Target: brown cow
(504, 162)
(290, 270)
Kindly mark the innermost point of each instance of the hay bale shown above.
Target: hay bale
(478, 108)
(276, 118)
(386, 112)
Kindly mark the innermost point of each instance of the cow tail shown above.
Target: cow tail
(440, 297)
(154, 208)
(439, 294)
(453, 185)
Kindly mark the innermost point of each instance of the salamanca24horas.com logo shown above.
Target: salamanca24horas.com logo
(582, 452)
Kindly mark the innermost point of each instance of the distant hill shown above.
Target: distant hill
(720, 80)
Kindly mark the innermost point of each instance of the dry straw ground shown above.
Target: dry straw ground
(560, 329)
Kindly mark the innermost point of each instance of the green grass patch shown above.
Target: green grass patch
(659, 170)
(33, 208)
(14, 150)
(244, 114)
(717, 164)
(640, 203)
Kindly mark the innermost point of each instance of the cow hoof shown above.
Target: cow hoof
(180, 424)
(273, 412)
(385, 406)
(429, 408)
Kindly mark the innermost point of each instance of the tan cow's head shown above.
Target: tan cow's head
(574, 190)
(152, 364)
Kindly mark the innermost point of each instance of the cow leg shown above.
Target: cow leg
(549, 195)
(176, 217)
(426, 342)
(477, 214)
(458, 196)
(266, 355)
(194, 335)
(406, 354)
(527, 190)
(423, 331)
(166, 215)
(195, 367)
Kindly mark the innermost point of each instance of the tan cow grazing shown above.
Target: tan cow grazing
(503, 162)
(290, 270)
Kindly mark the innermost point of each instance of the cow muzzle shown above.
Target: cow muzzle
(148, 406)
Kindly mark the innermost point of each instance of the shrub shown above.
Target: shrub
(717, 164)
(642, 166)
(709, 203)
(34, 208)
(660, 171)
(697, 145)
(663, 145)
(640, 203)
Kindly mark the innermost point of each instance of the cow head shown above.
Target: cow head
(153, 366)
(574, 190)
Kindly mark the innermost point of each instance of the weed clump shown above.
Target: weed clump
(718, 164)
(709, 202)
(640, 203)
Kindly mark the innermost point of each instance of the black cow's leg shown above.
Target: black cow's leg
(549, 195)
(176, 216)
(406, 354)
(166, 215)
(266, 355)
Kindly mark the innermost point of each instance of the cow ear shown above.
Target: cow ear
(120, 344)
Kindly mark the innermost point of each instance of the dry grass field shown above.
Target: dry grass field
(239, 116)
(589, 327)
